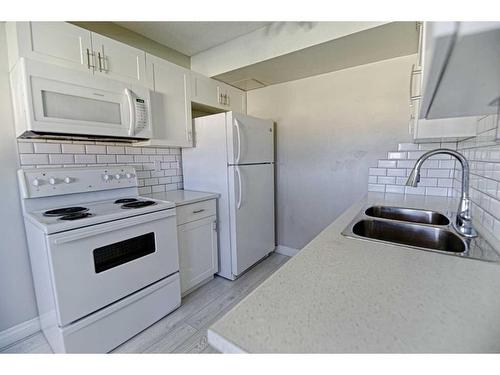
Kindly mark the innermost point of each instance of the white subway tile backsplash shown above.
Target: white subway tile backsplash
(25, 148)
(407, 147)
(413, 155)
(132, 150)
(169, 158)
(428, 182)
(386, 180)
(106, 159)
(32, 159)
(124, 158)
(396, 172)
(449, 164)
(95, 149)
(148, 151)
(73, 148)
(428, 146)
(141, 158)
(374, 171)
(445, 173)
(115, 150)
(61, 159)
(56, 154)
(85, 159)
(387, 163)
(405, 164)
(445, 182)
(441, 174)
(395, 189)
(420, 190)
(47, 148)
(377, 188)
(396, 155)
(442, 192)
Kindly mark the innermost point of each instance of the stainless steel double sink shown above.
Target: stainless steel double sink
(415, 228)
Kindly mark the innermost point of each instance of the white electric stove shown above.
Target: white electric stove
(104, 260)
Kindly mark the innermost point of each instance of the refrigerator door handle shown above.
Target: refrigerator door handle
(238, 140)
(237, 170)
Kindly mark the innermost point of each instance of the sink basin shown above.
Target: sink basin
(407, 214)
(433, 238)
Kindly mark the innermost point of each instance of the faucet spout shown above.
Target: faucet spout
(463, 221)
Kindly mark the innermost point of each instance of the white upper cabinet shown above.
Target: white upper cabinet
(118, 60)
(432, 130)
(54, 42)
(212, 93)
(64, 44)
(461, 70)
(204, 90)
(171, 104)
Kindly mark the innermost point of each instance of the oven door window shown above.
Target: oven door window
(118, 253)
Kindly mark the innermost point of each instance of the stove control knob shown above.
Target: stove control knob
(52, 181)
(36, 182)
(118, 176)
(106, 177)
(130, 175)
(68, 180)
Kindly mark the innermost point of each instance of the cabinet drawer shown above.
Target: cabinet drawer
(195, 211)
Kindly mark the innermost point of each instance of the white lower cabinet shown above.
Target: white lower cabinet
(197, 249)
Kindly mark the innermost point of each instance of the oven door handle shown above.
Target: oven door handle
(107, 227)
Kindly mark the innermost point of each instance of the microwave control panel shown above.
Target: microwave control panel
(141, 115)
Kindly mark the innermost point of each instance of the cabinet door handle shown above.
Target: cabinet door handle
(100, 59)
(198, 211)
(89, 65)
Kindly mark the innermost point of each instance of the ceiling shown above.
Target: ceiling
(376, 44)
(191, 38)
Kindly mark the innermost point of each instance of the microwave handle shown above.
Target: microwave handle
(130, 98)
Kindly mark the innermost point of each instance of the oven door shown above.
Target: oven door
(95, 266)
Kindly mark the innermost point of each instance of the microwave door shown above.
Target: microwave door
(60, 107)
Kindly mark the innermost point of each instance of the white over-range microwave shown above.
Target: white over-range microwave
(52, 101)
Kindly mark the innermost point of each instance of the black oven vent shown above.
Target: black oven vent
(118, 253)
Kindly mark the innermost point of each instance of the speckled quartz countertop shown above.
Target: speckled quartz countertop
(343, 295)
(182, 197)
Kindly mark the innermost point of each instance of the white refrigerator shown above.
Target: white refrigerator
(233, 155)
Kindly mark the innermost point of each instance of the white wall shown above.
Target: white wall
(17, 300)
(330, 128)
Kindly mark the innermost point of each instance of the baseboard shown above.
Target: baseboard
(285, 250)
(19, 332)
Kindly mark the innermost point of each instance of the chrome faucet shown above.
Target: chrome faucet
(463, 221)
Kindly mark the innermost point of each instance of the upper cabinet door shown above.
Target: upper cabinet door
(237, 99)
(119, 61)
(212, 93)
(171, 104)
(204, 90)
(54, 42)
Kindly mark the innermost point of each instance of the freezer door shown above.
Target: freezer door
(251, 214)
(250, 139)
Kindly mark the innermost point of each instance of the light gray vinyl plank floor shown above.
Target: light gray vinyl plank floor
(185, 329)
